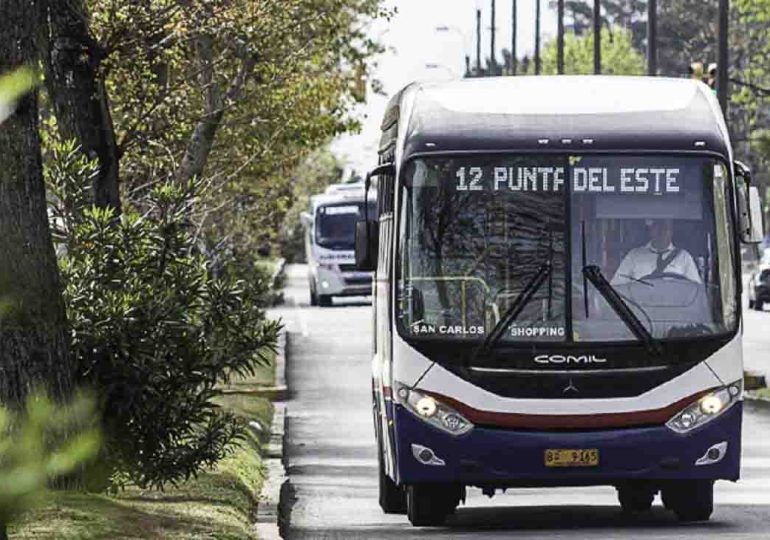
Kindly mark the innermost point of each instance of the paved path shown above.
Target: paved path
(333, 469)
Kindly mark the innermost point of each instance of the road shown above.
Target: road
(332, 465)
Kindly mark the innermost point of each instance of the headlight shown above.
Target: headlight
(432, 411)
(706, 408)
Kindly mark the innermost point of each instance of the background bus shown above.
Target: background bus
(329, 242)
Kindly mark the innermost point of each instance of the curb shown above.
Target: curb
(756, 401)
(268, 509)
(267, 524)
(277, 296)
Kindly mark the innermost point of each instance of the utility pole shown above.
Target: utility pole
(492, 61)
(514, 61)
(478, 43)
(560, 38)
(537, 37)
(597, 38)
(722, 56)
(652, 37)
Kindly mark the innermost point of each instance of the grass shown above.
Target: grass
(762, 392)
(218, 504)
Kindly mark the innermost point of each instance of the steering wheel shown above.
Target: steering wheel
(664, 275)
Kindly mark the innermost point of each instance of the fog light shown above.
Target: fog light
(426, 406)
(714, 454)
(425, 455)
(325, 284)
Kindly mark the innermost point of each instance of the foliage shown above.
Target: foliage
(618, 55)
(687, 29)
(752, 52)
(285, 72)
(39, 444)
(14, 85)
(153, 329)
(317, 171)
(217, 504)
(628, 14)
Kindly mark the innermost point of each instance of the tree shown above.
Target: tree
(687, 32)
(618, 55)
(750, 106)
(317, 171)
(72, 61)
(628, 14)
(33, 337)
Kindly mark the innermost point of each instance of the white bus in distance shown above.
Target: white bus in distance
(329, 241)
(557, 291)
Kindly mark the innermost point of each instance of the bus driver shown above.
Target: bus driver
(658, 256)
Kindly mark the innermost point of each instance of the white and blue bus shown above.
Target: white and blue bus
(330, 225)
(557, 291)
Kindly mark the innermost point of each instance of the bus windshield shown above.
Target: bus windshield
(476, 231)
(336, 224)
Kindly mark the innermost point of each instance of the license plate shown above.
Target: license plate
(572, 457)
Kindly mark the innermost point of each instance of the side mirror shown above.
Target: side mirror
(306, 219)
(367, 243)
(750, 225)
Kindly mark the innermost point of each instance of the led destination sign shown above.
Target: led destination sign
(625, 180)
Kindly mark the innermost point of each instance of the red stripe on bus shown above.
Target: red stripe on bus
(568, 421)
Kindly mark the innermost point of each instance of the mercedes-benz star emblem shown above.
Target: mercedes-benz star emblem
(570, 387)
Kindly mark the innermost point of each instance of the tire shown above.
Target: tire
(392, 497)
(751, 304)
(635, 497)
(758, 305)
(428, 505)
(324, 300)
(313, 297)
(691, 500)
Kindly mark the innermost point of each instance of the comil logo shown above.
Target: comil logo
(569, 359)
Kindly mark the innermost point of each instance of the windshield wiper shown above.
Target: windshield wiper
(594, 274)
(514, 310)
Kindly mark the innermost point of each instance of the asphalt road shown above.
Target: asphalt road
(332, 466)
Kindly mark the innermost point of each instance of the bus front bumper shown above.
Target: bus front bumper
(509, 458)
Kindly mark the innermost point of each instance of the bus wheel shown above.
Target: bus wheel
(428, 505)
(635, 497)
(324, 300)
(392, 497)
(758, 305)
(691, 500)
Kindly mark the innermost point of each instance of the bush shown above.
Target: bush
(153, 330)
(40, 444)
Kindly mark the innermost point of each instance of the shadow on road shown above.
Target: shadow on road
(558, 518)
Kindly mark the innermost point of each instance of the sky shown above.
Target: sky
(416, 50)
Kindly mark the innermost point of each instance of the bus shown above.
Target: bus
(330, 227)
(557, 291)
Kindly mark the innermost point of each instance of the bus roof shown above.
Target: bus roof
(333, 195)
(558, 113)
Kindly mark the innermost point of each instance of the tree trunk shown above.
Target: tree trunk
(33, 337)
(202, 139)
(79, 97)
